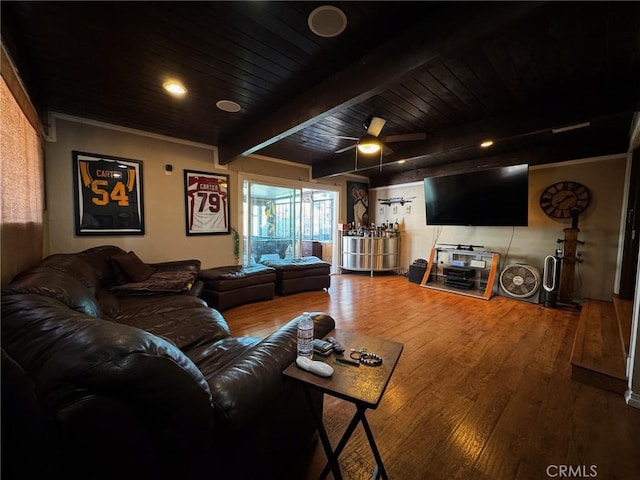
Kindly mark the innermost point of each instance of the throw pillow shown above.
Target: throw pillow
(133, 267)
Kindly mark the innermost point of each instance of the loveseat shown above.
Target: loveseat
(108, 378)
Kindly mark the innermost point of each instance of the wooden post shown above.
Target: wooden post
(568, 265)
(567, 275)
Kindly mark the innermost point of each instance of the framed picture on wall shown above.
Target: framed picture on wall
(108, 196)
(206, 203)
(358, 203)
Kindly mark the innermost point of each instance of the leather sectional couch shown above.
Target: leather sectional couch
(105, 376)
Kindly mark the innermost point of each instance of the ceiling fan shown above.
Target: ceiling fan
(371, 142)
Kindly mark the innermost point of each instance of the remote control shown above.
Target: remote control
(314, 366)
(322, 347)
(322, 353)
(336, 346)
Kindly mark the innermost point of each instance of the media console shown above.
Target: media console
(462, 270)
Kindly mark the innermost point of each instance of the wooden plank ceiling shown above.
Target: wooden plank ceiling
(457, 72)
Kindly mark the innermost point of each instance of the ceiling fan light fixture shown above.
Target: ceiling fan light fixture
(175, 88)
(369, 144)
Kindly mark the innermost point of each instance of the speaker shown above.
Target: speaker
(551, 281)
(416, 272)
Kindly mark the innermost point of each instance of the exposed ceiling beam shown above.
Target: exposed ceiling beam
(533, 119)
(570, 150)
(459, 26)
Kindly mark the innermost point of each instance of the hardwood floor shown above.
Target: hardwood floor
(483, 389)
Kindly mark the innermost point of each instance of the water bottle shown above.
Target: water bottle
(305, 336)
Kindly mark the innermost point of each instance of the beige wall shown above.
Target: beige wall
(163, 194)
(165, 237)
(599, 224)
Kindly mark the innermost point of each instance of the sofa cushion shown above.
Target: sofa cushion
(131, 306)
(180, 319)
(212, 357)
(134, 268)
(75, 266)
(58, 285)
(159, 282)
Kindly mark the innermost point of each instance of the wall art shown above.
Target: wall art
(107, 195)
(206, 203)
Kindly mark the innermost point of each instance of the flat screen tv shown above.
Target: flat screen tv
(492, 197)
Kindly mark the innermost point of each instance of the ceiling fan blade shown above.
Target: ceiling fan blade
(375, 126)
(345, 149)
(405, 137)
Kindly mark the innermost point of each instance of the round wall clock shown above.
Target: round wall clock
(562, 198)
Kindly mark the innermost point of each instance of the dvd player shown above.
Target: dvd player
(458, 283)
(459, 272)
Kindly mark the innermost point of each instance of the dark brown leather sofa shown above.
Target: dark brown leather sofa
(141, 384)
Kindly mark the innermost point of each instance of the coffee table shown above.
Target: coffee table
(363, 386)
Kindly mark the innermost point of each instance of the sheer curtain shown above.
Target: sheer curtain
(22, 183)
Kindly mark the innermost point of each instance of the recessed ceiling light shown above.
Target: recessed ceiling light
(174, 87)
(228, 106)
(327, 21)
(486, 143)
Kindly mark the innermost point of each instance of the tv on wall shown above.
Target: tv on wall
(492, 197)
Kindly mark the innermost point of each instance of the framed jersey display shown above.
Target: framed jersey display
(108, 195)
(206, 203)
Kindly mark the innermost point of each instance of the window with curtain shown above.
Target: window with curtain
(22, 183)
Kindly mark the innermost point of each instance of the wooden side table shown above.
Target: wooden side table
(363, 386)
